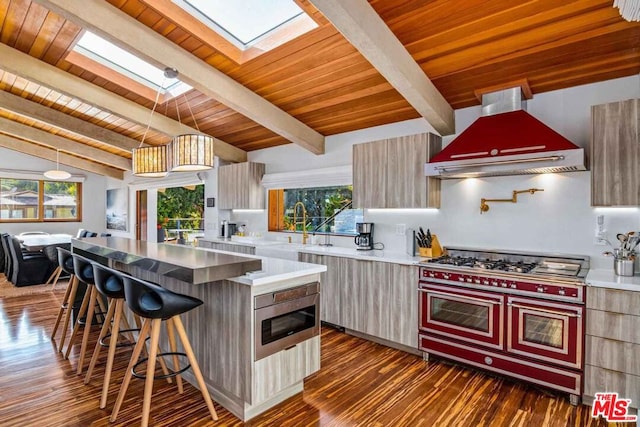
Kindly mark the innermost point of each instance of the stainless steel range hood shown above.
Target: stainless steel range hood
(506, 140)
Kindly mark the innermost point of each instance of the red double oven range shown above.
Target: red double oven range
(517, 314)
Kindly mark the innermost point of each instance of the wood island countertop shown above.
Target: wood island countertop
(184, 263)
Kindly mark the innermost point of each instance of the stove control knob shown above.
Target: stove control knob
(494, 283)
(460, 279)
(561, 291)
(445, 276)
(469, 279)
(485, 282)
(488, 360)
(477, 281)
(513, 286)
(540, 289)
(503, 284)
(432, 274)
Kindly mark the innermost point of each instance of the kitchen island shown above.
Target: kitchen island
(223, 331)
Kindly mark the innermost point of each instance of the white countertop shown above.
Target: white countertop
(605, 278)
(375, 255)
(243, 242)
(274, 270)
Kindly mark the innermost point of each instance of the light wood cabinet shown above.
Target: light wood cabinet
(615, 154)
(379, 299)
(275, 373)
(239, 186)
(612, 344)
(332, 280)
(390, 173)
(230, 247)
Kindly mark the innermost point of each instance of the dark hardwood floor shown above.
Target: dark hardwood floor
(360, 384)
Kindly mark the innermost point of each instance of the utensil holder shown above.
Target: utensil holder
(426, 252)
(624, 266)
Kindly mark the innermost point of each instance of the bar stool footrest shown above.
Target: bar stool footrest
(171, 373)
(104, 342)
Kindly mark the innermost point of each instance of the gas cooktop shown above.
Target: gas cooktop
(528, 263)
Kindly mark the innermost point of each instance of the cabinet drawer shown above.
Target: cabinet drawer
(275, 373)
(615, 355)
(621, 327)
(597, 380)
(614, 300)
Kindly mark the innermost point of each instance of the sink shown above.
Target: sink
(284, 251)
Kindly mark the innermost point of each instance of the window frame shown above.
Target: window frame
(41, 208)
(276, 213)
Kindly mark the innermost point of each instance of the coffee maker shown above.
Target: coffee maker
(364, 239)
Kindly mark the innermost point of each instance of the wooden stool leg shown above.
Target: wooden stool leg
(53, 279)
(144, 332)
(112, 352)
(151, 369)
(73, 283)
(87, 327)
(65, 300)
(172, 345)
(103, 333)
(76, 327)
(194, 365)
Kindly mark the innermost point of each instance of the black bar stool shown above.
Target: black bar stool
(65, 264)
(109, 284)
(83, 270)
(155, 304)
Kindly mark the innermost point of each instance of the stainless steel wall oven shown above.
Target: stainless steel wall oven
(286, 318)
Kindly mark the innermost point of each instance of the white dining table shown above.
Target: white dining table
(36, 242)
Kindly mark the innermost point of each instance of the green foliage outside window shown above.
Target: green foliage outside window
(181, 207)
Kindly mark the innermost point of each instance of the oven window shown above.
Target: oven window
(287, 324)
(464, 314)
(543, 330)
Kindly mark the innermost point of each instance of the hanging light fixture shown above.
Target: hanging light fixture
(186, 152)
(193, 151)
(152, 161)
(57, 174)
(629, 9)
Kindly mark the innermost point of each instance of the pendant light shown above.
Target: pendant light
(186, 152)
(57, 174)
(151, 161)
(193, 151)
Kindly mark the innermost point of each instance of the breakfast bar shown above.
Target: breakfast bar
(249, 362)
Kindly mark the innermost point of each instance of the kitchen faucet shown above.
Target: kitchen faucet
(305, 236)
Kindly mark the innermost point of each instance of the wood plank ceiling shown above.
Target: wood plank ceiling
(321, 80)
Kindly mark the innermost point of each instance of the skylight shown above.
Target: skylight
(112, 56)
(243, 22)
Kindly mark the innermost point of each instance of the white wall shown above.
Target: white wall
(93, 196)
(559, 219)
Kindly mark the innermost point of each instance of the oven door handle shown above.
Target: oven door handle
(461, 297)
(543, 310)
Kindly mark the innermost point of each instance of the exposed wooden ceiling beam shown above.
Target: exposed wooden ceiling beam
(55, 118)
(35, 150)
(37, 71)
(9, 127)
(115, 25)
(366, 31)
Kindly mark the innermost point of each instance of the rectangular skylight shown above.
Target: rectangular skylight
(112, 56)
(242, 22)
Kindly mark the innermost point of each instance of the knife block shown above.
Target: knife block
(434, 251)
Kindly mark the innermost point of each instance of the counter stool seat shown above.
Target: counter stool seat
(154, 305)
(83, 270)
(109, 283)
(65, 264)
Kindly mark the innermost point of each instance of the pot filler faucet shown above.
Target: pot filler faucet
(305, 236)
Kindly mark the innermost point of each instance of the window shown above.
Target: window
(244, 22)
(328, 210)
(28, 200)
